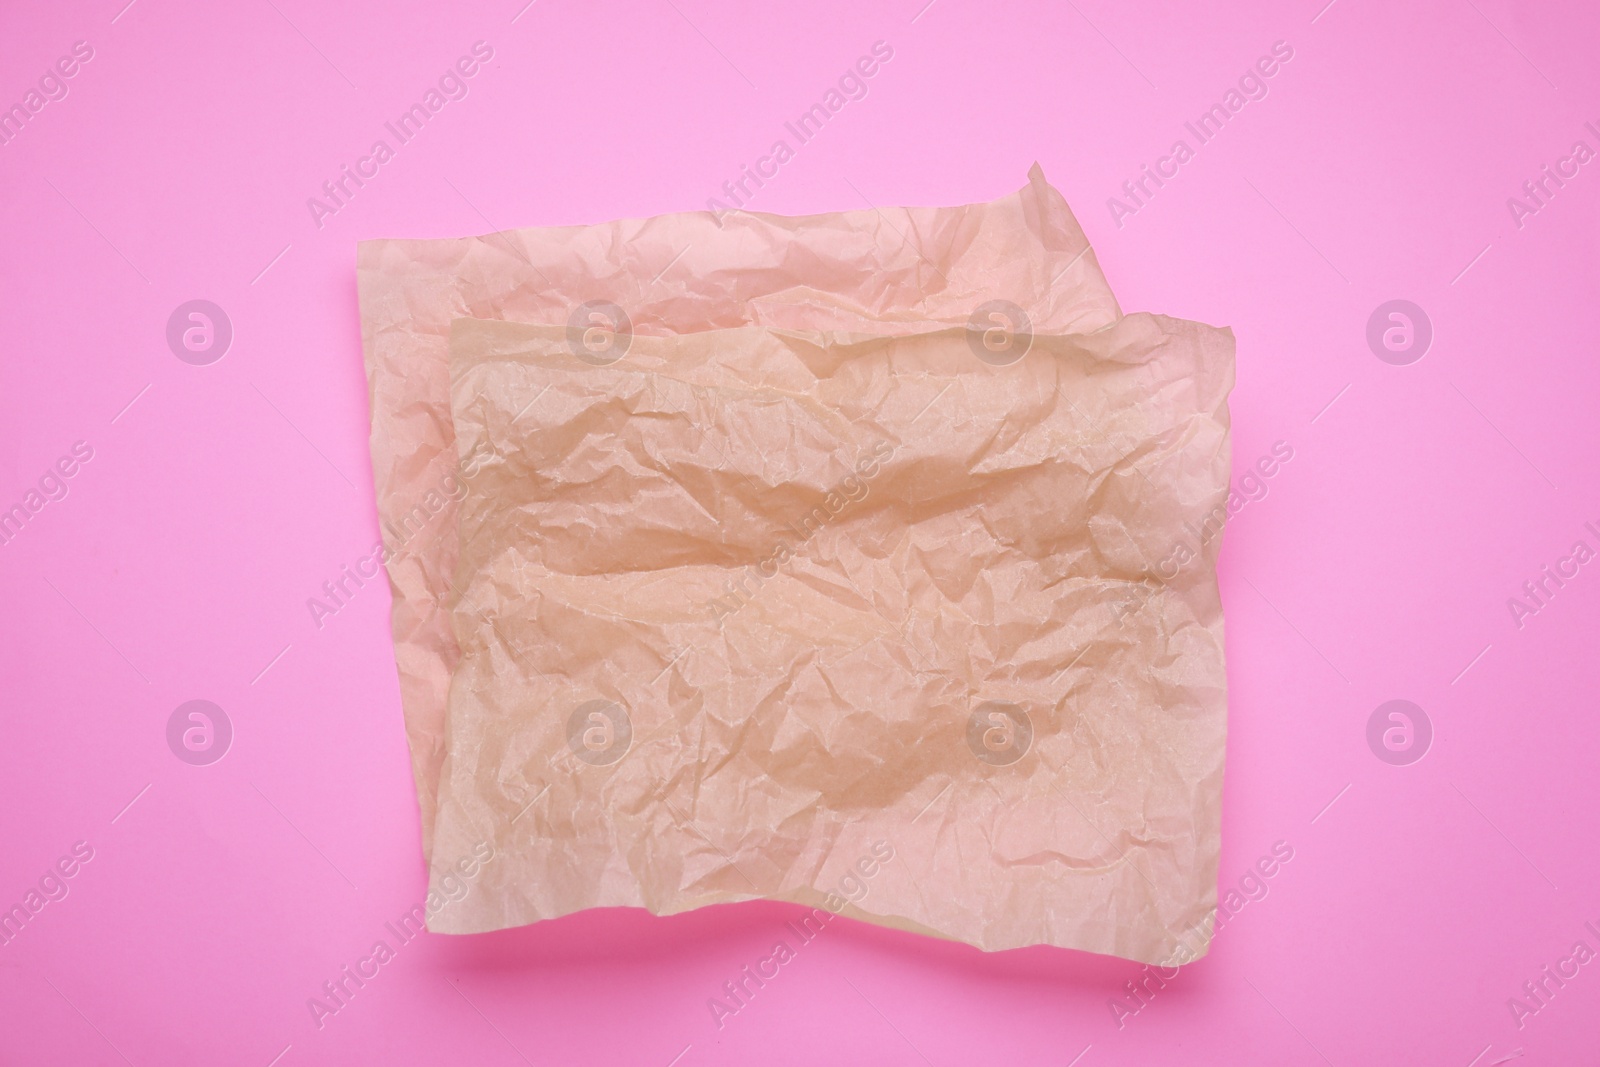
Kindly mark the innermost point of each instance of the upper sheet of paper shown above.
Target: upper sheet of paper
(885, 271)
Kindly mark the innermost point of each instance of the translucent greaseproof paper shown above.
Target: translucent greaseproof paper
(730, 559)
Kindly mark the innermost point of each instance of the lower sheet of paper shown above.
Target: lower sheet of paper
(862, 622)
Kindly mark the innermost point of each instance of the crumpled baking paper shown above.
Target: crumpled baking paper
(801, 579)
(889, 270)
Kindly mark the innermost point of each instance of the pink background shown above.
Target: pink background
(1378, 566)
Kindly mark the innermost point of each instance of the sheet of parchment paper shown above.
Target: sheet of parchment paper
(885, 623)
(889, 270)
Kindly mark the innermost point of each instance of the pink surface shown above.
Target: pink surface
(218, 498)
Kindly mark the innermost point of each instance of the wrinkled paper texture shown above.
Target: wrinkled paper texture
(981, 647)
(730, 607)
(886, 270)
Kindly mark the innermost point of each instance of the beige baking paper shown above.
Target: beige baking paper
(845, 618)
(889, 270)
